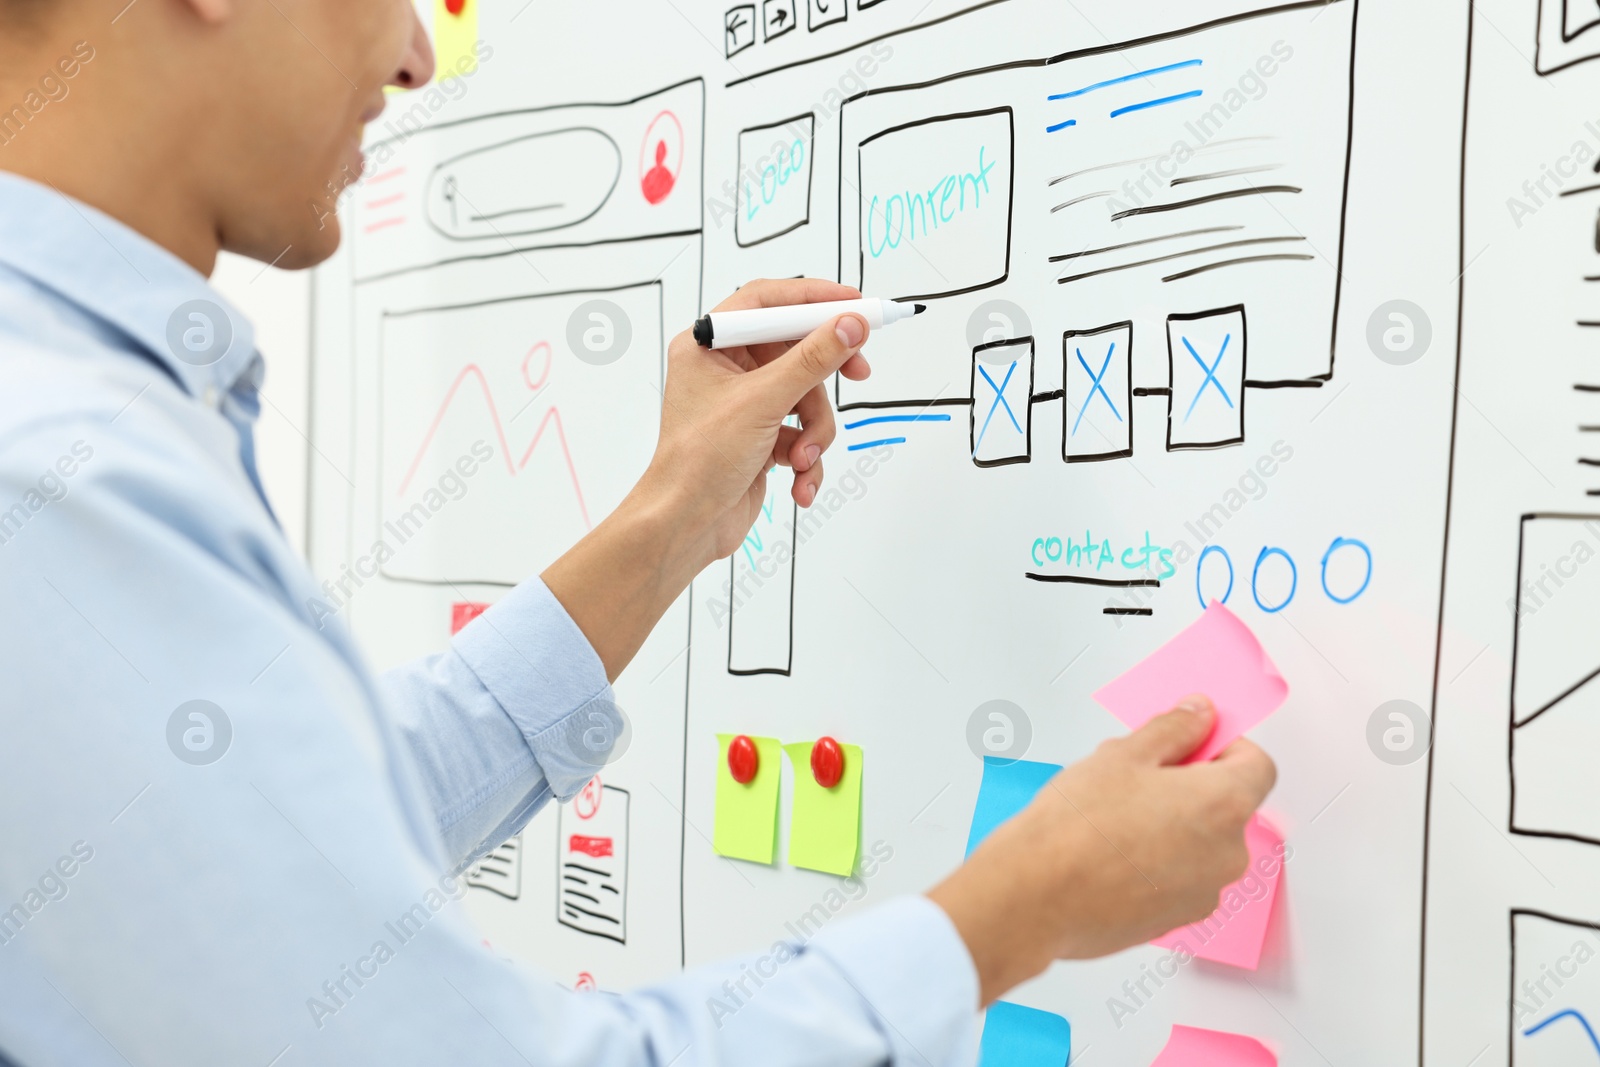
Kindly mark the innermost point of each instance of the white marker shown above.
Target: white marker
(756, 326)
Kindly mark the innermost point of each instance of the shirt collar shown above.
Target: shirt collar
(164, 306)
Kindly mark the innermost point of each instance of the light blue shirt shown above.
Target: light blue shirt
(158, 909)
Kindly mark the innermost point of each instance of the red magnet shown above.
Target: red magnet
(743, 759)
(455, 7)
(827, 762)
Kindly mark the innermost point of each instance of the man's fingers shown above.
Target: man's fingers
(806, 485)
(780, 292)
(1251, 766)
(1171, 738)
(810, 362)
(817, 429)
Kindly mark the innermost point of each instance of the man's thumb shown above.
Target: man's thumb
(1171, 738)
(813, 358)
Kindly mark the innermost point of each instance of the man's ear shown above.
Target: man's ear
(211, 12)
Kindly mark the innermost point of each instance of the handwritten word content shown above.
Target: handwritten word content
(935, 206)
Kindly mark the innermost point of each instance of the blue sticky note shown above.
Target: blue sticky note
(1008, 785)
(1015, 1036)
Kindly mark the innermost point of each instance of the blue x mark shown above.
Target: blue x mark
(1211, 374)
(1095, 386)
(999, 402)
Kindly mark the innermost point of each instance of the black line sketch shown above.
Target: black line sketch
(777, 18)
(998, 436)
(738, 29)
(495, 190)
(1568, 33)
(820, 13)
(761, 592)
(1554, 728)
(500, 871)
(1097, 420)
(1549, 985)
(1206, 370)
(771, 149)
(592, 862)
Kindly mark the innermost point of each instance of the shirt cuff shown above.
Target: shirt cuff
(539, 666)
(910, 966)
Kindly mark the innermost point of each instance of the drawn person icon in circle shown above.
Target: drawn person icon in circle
(658, 180)
(660, 157)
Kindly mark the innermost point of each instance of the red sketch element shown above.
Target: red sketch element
(383, 224)
(383, 176)
(585, 983)
(455, 7)
(660, 157)
(385, 201)
(549, 358)
(551, 416)
(586, 805)
(598, 847)
(464, 612)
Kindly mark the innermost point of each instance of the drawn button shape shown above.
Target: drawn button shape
(827, 762)
(743, 759)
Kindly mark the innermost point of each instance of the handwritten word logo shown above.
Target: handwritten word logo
(599, 332)
(199, 332)
(199, 732)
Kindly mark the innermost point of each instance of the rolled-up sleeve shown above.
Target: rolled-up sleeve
(515, 711)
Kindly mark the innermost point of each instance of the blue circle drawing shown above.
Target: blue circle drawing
(1346, 542)
(1294, 579)
(1199, 569)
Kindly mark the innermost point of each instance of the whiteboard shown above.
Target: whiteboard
(1287, 305)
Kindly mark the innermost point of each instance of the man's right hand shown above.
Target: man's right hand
(1119, 848)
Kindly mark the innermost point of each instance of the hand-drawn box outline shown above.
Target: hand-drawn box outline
(972, 423)
(1066, 407)
(383, 320)
(517, 249)
(862, 5)
(733, 608)
(1313, 381)
(1560, 38)
(811, 173)
(1244, 367)
(1514, 1029)
(813, 26)
(627, 858)
(1011, 190)
(440, 167)
(727, 37)
(792, 21)
(1516, 643)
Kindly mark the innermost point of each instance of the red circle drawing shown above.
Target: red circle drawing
(585, 982)
(455, 7)
(660, 157)
(587, 803)
(544, 376)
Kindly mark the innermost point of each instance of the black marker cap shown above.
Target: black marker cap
(702, 331)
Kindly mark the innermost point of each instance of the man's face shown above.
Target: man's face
(312, 77)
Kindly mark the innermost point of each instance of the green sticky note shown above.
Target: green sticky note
(747, 815)
(825, 827)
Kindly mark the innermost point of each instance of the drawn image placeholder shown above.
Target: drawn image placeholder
(1206, 361)
(935, 210)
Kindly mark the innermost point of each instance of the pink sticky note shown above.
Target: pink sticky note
(1190, 1046)
(1217, 655)
(1235, 932)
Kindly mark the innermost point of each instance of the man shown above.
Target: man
(292, 904)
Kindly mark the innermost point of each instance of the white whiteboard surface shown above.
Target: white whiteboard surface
(1161, 244)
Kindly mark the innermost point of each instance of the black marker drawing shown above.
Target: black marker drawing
(592, 862)
(820, 13)
(773, 184)
(738, 29)
(1097, 367)
(1206, 371)
(500, 872)
(777, 18)
(1001, 427)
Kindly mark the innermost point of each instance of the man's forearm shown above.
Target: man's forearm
(618, 581)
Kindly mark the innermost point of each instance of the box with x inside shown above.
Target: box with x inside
(1206, 369)
(1002, 409)
(1098, 415)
